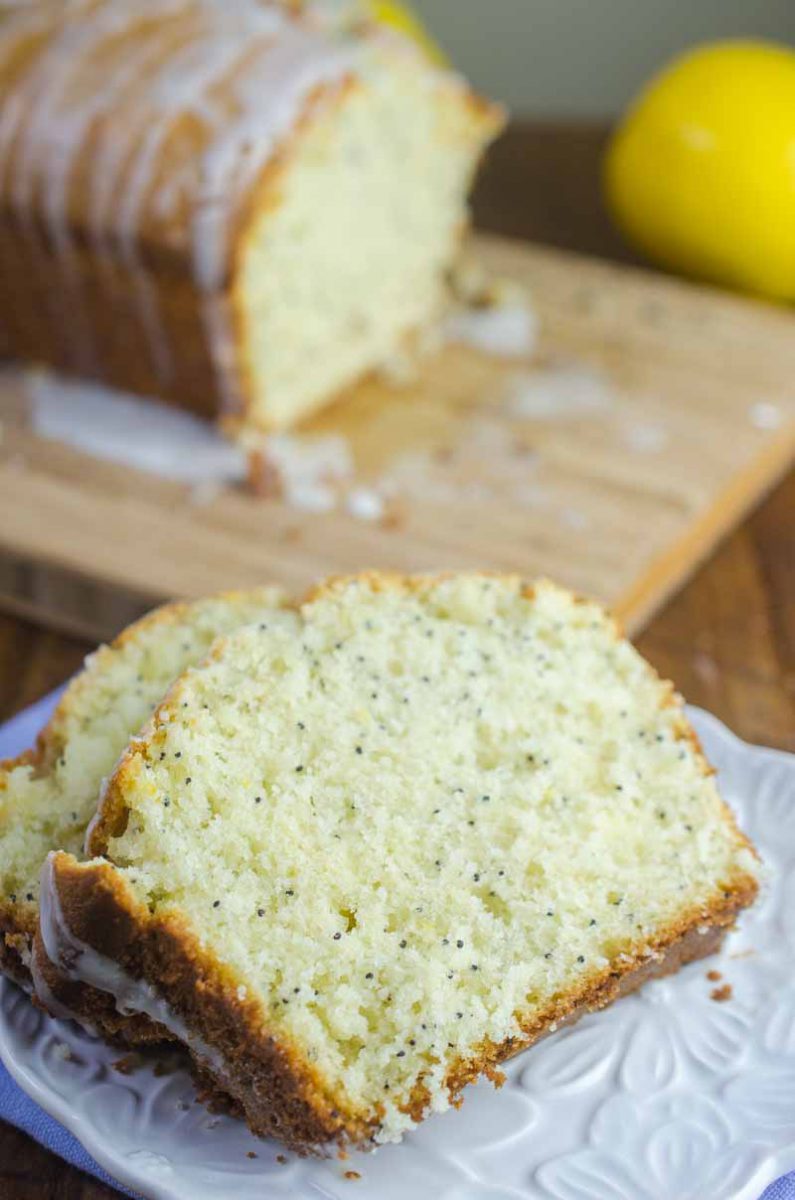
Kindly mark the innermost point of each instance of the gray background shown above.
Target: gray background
(586, 57)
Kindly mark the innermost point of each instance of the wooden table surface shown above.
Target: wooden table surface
(728, 639)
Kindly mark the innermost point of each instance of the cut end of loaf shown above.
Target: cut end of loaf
(418, 826)
(354, 233)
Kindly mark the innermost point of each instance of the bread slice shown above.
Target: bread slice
(49, 794)
(359, 858)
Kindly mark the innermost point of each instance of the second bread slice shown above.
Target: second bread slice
(49, 794)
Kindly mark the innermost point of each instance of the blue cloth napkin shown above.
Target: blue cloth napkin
(17, 1108)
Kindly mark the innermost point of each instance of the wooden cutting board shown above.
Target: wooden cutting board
(652, 416)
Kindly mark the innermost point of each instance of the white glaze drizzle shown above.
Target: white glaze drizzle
(504, 330)
(106, 424)
(50, 146)
(125, 218)
(43, 993)
(246, 74)
(78, 961)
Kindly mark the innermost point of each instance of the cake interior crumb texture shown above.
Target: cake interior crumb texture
(413, 816)
(349, 245)
(48, 796)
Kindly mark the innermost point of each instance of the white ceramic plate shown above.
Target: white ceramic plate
(668, 1094)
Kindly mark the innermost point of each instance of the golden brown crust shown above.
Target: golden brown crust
(280, 1093)
(692, 937)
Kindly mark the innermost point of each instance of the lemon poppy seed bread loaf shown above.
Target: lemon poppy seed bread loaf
(365, 854)
(239, 207)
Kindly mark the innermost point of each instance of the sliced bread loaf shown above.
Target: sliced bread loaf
(360, 857)
(49, 794)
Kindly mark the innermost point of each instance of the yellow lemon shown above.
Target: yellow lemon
(401, 17)
(700, 174)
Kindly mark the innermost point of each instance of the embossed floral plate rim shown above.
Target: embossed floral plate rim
(149, 1133)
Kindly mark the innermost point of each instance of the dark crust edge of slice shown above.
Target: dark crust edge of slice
(280, 1093)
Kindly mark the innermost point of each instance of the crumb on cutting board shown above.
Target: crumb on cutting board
(705, 667)
(764, 415)
(395, 517)
(290, 535)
